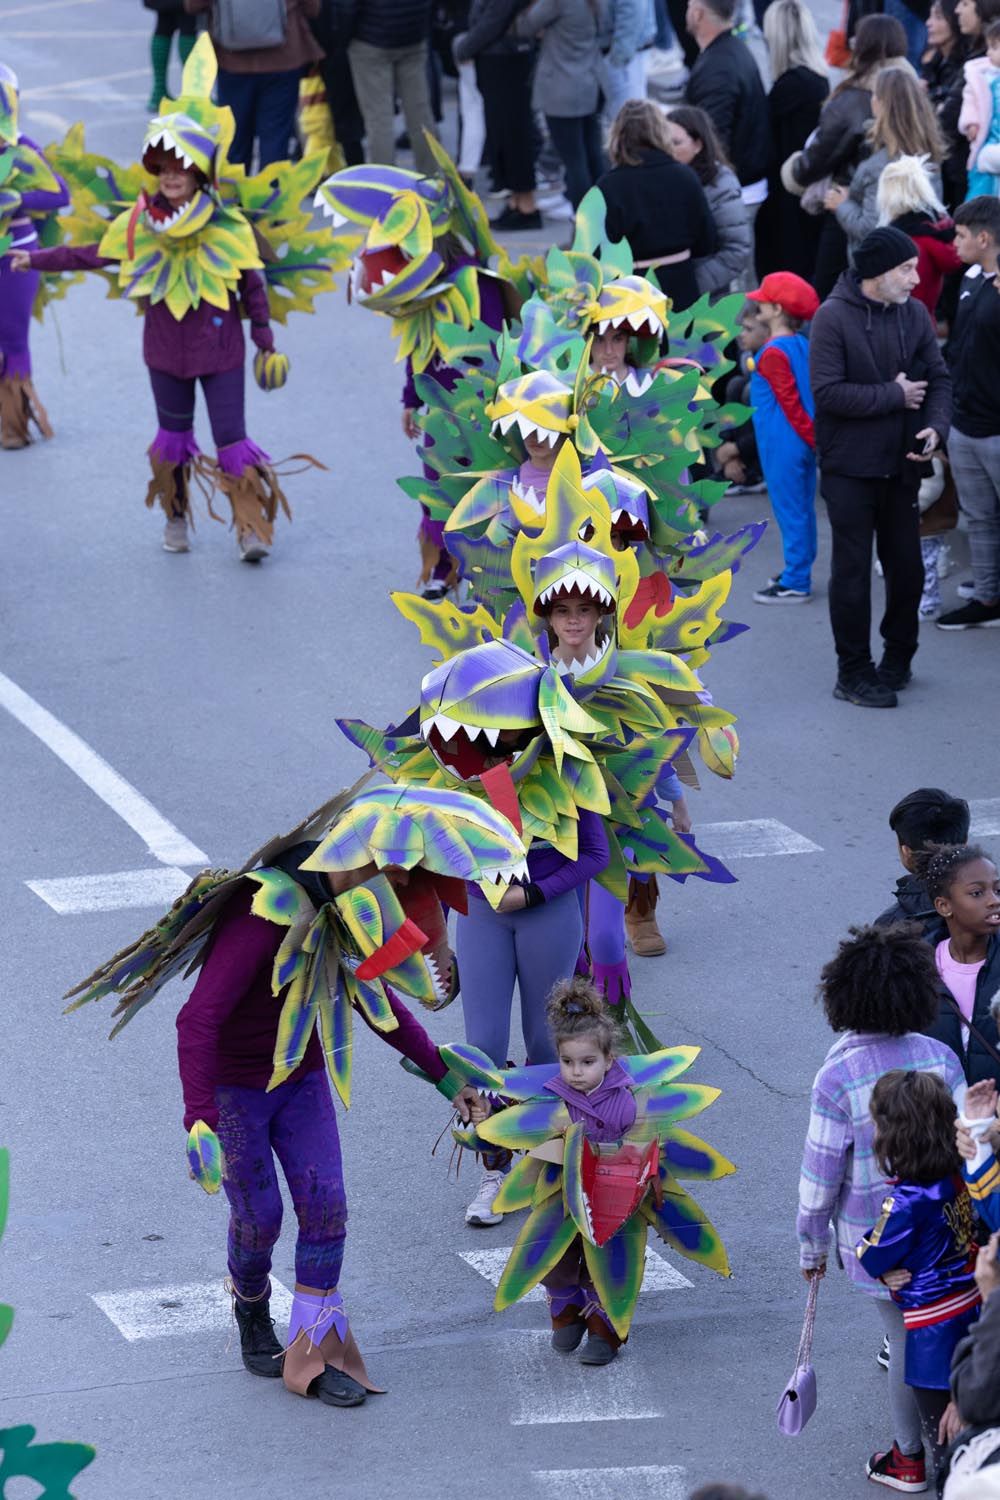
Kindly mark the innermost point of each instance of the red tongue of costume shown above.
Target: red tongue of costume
(374, 264)
(615, 1183)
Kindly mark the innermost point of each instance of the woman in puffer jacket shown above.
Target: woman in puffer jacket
(903, 124)
(693, 140)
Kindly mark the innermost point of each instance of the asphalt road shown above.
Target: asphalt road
(212, 688)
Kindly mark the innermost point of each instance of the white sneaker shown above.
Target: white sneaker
(252, 549)
(480, 1210)
(175, 535)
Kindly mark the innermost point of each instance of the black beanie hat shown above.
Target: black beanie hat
(882, 251)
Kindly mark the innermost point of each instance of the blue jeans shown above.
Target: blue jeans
(263, 105)
(916, 30)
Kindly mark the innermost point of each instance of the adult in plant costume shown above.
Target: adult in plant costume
(333, 918)
(30, 192)
(423, 256)
(207, 248)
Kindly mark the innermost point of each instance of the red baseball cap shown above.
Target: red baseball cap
(790, 292)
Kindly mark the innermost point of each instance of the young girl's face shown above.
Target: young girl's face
(582, 1064)
(608, 352)
(543, 453)
(993, 52)
(973, 901)
(574, 622)
(177, 183)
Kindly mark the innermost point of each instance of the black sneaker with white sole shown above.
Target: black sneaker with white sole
(779, 593)
(865, 692)
(969, 616)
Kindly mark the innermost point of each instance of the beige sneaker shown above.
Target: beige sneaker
(252, 549)
(175, 535)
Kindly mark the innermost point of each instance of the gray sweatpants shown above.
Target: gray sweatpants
(975, 463)
(903, 1410)
(531, 948)
(381, 74)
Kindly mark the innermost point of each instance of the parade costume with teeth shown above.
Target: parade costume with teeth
(284, 964)
(238, 248)
(30, 192)
(422, 255)
(599, 1171)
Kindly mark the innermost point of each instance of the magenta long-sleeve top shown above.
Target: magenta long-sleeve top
(227, 1029)
(205, 341)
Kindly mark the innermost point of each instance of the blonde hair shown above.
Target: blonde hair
(640, 125)
(792, 38)
(575, 1008)
(905, 187)
(906, 124)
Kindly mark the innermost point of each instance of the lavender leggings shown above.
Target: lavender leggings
(297, 1124)
(531, 949)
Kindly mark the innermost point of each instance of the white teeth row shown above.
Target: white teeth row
(437, 978)
(525, 428)
(637, 382)
(160, 225)
(328, 209)
(579, 668)
(530, 495)
(635, 320)
(449, 727)
(622, 514)
(164, 139)
(585, 586)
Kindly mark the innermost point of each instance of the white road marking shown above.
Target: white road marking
(551, 1389)
(69, 85)
(162, 839)
(645, 1482)
(754, 838)
(49, 119)
(660, 1275)
(75, 36)
(156, 1312)
(120, 892)
(40, 5)
(985, 817)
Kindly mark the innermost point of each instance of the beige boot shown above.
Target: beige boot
(640, 918)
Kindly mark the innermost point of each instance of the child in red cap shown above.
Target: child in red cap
(783, 422)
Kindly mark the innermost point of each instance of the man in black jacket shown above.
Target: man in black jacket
(726, 84)
(388, 57)
(876, 374)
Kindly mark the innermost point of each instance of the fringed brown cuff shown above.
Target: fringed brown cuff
(165, 489)
(20, 409)
(255, 495)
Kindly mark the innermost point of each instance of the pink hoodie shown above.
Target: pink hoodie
(977, 103)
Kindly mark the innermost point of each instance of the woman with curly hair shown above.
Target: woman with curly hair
(880, 992)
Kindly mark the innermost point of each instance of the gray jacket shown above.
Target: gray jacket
(567, 82)
(858, 214)
(715, 273)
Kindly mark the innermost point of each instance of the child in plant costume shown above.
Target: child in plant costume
(315, 926)
(603, 1158)
(29, 192)
(190, 256)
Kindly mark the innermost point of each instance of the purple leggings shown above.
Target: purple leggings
(296, 1123)
(17, 296)
(223, 393)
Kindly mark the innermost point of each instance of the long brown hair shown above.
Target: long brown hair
(637, 127)
(879, 39)
(914, 1116)
(906, 124)
(699, 127)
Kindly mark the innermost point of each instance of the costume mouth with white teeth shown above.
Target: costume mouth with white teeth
(538, 405)
(627, 499)
(178, 220)
(633, 303)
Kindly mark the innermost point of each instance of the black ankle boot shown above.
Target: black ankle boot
(259, 1344)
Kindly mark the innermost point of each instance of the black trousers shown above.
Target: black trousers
(886, 510)
(504, 81)
(578, 141)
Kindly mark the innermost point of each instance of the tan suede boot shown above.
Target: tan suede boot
(640, 919)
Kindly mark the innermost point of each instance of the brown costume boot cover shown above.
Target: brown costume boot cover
(164, 489)
(255, 495)
(304, 1360)
(640, 918)
(19, 408)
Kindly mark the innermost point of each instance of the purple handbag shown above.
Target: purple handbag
(798, 1401)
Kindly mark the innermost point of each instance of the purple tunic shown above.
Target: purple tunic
(205, 341)
(607, 1112)
(19, 288)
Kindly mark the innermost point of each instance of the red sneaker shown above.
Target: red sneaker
(898, 1471)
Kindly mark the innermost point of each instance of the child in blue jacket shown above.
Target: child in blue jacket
(783, 422)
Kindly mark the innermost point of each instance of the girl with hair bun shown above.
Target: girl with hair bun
(598, 1094)
(962, 882)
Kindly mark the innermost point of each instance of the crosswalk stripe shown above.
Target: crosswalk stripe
(660, 1275)
(156, 1312)
(643, 1482)
(985, 813)
(753, 838)
(550, 1390)
(122, 891)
